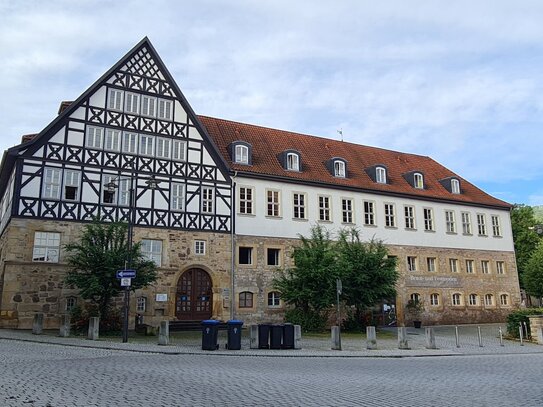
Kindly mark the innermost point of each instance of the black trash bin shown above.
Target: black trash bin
(263, 336)
(234, 334)
(276, 336)
(288, 336)
(210, 329)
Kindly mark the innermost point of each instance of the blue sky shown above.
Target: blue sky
(459, 81)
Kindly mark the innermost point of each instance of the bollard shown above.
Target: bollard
(480, 337)
(520, 334)
(525, 330)
(164, 333)
(65, 321)
(402, 338)
(501, 335)
(94, 328)
(37, 325)
(253, 330)
(336, 338)
(457, 337)
(371, 338)
(297, 337)
(430, 339)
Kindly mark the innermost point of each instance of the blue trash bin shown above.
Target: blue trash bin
(234, 334)
(210, 329)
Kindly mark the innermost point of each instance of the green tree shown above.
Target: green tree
(367, 272)
(533, 273)
(94, 260)
(524, 237)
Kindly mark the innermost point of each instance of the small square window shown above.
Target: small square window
(46, 247)
(273, 257)
(141, 304)
(200, 247)
(274, 299)
(246, 299)
(245, 255)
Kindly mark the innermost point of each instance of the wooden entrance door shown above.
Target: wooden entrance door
(194, 296)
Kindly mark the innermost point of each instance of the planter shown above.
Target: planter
(417, 324)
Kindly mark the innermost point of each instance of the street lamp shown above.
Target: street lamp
(152, 183)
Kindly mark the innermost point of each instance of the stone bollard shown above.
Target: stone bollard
(297, 337)
(536, 327)
(94, 328)
(37, 325)
(430, 338)
(371, 338)
(164, 333)
(65, 321)
(402, 338)
(336, 338)
(253, 330)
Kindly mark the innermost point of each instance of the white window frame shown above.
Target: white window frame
(46, 247)
(151, 249)
(293, 162)
(163, 147)
(130, 142)
(431, 264)
(164, 109)
(428, 214)
(485, 267)
(470, 266)
(481, 224)
(141, 304)
(412, 263)
(500, 267)
(147, 145)
(369, 213)
(72, 179)
(381, 175)
(455, 186)
(434, 299)
(325, 208)
(339, 169)
(496, 227)
(456, 299)
(453, 265)
(179, 150)
(52, 179)
(277, 256)
(200, 247)
(274, 299)
(115, 99)
(473, 299)
(208, 201)
(466, 223)
(94, 137)
(106, 179)
(409, 217)
(347, 210)
(489, 300)
(112, 140)
(71, 303)
(299, 200)
(504, 300)
(390, 215)
(241, 154)
(148, 106)
(418, 180)
(273, 203)
(177, 196)
(131, 103)
(450, 221)
(246, 200)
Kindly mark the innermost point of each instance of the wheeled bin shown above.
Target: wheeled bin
(288, 336)
(276, 336)
(234, 334)
(263, 336)
(210, 329)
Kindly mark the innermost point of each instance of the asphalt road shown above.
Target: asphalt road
(34, 374)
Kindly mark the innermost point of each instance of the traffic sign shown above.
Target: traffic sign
(126, 282)
(126, 273)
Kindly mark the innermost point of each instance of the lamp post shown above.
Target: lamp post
(111, 186)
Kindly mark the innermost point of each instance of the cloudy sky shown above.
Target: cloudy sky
(459, 81)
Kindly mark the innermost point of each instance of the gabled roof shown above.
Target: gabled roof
(267, 144)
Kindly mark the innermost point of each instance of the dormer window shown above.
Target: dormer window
(455, 186)
(451, 184)
(381, 175)
(418, 180)
(339, 169)
(241, 155)
(293, 162)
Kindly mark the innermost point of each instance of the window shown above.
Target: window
(381, 175)
(457, 299)
(112, 140)
(71, 185)
(473, 299)
(504, 299)
(241, 154)
(411, 263)
(163, 147)
(324, 208)
(147, 144)
(164, 109)
(390, 215)
(115, 99)
(293, 162)
(273, 203)
(109, 197)
(489, 300)
(94, 137)
(245, 255)
(450, 222)
(141, 304)
(177, 196)
(428, 219)
(274, 299)
(481, 224)
(470, 266)
(466, 223)
(131, 103)
(152, 250)
(500, 267)
(124, 191)
(418, 180)
(409, 212)
(431, 264)
(71, 303)
(178, 150)
(130, 143)
(339, 169)
(273, 257)
(415, 297)
(434, 299)
(200, 247)
(347, 210)
(299, 205)
(148, 105)
(246, 299)
(455, 186)
(46, 247)
(496, 229)
(51, 183)
(453, 264)
(485, 269)
(207, 200)
(246, 200)
(369, 213)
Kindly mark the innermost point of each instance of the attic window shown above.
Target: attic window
(381, 175)
(455, 186)
(418, 180)
(293, 162)
(339, 169)
(241, 155)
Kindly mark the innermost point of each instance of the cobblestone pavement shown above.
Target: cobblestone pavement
(53, 375)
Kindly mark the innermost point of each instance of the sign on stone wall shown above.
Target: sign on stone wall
(432, 281)
(161, 297)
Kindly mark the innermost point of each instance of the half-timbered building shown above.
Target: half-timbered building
(228, 203)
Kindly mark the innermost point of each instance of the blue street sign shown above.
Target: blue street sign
(126, 273)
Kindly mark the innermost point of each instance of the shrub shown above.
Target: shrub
(310, 321)
(80, 319)
(516, 317)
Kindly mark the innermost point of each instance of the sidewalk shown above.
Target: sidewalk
(312, 346)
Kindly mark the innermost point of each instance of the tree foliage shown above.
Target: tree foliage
(95, 258)
(524, 236)
(533, 273)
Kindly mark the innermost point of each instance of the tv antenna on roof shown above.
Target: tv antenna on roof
(340, 131)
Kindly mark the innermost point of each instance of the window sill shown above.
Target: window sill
(410, 230)
(247, 215)
(429, 231)
(451, 233)
(274, 217)
(370, 226)
(300, 220)
(391, 227)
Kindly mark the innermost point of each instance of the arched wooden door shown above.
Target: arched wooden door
(194, 296)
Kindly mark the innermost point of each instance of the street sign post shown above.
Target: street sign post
(126, 282)
(126, 273)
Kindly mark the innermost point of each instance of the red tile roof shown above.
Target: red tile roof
(268, 143)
